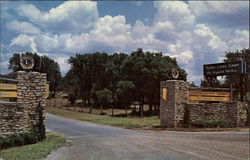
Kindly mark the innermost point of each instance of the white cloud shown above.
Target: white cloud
(74, 27)
(240, 39)
(185, 57)
(24, 41)
(71, 16)
(200, 8)
(176, 12)
(213, 41)
(23, 27)
(111, 25)
(63, 63)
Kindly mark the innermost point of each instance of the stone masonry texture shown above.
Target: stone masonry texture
(233, 111)
(172, 109)
(22, 116)
(176, 107)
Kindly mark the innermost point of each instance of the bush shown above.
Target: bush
(29, 138)
(18, 140)
(212, 124)
(4, 142)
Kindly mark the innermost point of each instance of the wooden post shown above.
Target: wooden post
(141, 111)
(241, 88)
(231, 92)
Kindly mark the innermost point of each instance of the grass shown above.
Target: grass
(125, 122)
(36, 151)
(151, 123)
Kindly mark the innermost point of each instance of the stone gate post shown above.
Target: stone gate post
(31, 91)
(174, 96)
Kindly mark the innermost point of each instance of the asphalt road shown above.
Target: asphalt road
(99, 142)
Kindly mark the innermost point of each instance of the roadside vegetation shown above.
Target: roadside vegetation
(150, 123)
(36, 151)
(125, 122)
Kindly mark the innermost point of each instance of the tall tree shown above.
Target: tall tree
(129, 78)
(42, 64)
(242, 82)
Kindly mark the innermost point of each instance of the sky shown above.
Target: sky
(194, 32)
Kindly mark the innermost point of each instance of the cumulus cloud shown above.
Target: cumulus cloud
(71, 16)
(184, 57)
(24, 41)
(177, 29)
(23, 27)
(63, 63)
(221, 13)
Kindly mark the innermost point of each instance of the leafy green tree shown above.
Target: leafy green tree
(42, 64)
(241, 82)
(120, 73)
(104, 98)
(124, 94)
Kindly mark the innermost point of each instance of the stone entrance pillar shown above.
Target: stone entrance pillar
(31, 91)
(174, 96)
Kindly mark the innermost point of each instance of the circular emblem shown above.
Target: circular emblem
(175, 73)
(27, 62)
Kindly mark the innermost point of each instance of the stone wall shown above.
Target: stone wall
(23, 116)
(13, 118)
(233, 111)
(175, 110)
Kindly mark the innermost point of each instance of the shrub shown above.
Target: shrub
(212, 124)
(29, 138)
(4, 142)
(18, 140)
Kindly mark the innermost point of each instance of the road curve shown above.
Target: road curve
(99, 142)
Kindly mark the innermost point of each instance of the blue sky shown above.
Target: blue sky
(194, 32)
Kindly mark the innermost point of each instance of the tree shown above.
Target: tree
(42, 64)
(124, 94)
(104, 98)
(240, 83)
(146, 70)
(133, 78)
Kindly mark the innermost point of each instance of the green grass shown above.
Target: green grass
(125, 122)
(36, 151)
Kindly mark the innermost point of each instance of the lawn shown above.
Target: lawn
(125, 122)
(152, 123)
(36, 151)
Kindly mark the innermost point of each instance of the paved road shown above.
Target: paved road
(98, 142)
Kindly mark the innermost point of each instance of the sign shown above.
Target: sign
(47, 91)
(27, 62)
(208, 93)
(175, 73)
(5, 86)
(214, 99)
(165, 94)
(216, 96)
(220, 69)
(8, 94)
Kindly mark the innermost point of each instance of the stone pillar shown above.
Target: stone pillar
(31, 91)
(174, 96)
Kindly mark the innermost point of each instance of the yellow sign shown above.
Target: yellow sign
(165, 94)
(199, 95)
(208, 93)
(200, 98)
(5, 86)
(47, 91)
(8, 94)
